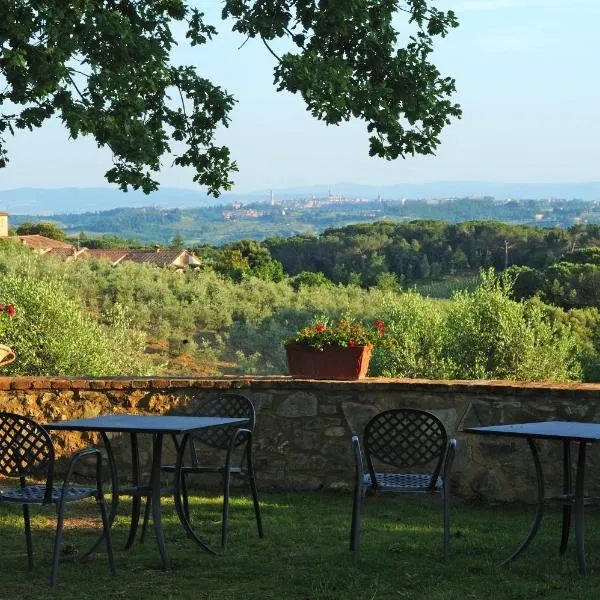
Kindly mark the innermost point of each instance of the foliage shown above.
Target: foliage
(106, 70)
(416, 324)
(247, 258)
(51, 333)
(310, 279)
(487, 335)
(7, 312)
(237, 327)
(348, 56)
(44, 228)
(346, 333)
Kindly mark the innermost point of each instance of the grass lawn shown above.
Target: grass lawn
(305, 555)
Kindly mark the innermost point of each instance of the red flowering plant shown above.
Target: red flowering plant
(7, 311)
(346, 333)
(7, 355)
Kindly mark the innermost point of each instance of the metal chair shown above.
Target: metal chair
(26, 449)
(230, 440)
(402, 439)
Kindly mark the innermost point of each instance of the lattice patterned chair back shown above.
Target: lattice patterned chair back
(234, 440)
(404, 438)
(25, 447)
(224, 405)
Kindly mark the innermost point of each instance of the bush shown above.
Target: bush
(53, 335)
(416, 323)
(489, 336)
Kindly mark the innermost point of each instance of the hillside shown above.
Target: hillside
(219, 224)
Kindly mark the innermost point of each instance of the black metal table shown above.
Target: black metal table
(567, 432)
(158, 426)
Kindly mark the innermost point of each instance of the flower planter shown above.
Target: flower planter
(333, 362)
(7, 355)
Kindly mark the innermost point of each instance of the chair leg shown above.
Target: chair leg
(355, 528)
(107, 536)
(225, 522)
(57, 540)
(445, 499)
(252, 481)
(27, 523)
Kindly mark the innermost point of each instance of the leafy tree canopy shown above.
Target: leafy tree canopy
(104, 68)
(45, 228)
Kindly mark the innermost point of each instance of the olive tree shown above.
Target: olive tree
(104, 68)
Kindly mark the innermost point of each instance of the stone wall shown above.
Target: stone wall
(304, 427)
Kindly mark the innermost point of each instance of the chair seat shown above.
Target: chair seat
(34, 494)
(410, 482)
(201, 469)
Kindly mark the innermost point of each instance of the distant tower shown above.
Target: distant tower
(272, 198)
(3, 224)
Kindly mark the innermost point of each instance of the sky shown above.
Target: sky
(527, 79)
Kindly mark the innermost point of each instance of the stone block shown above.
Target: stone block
(298, 404)
(358, 415)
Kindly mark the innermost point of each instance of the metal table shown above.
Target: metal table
(567, 432)
(158, 426)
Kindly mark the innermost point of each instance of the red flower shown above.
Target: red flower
(380, 326)
(351, 344)
(319, 327)
(10, 309)
(1, 308)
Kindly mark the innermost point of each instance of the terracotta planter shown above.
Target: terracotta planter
(333, 362)
(7, 355)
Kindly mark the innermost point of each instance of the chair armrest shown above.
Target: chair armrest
(76, 458)
(358, 461)
(449, 459)
(235, 434)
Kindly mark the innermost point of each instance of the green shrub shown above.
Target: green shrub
(53, 335)
(487, 335)
(416, 323)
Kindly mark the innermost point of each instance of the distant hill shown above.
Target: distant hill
(449, 189)
(47, 201)
(219, 224)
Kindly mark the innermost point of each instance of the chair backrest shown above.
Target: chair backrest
(224, 405)
(405, 438)
(25, 446)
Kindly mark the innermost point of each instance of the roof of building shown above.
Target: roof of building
(63, 252)
(159, 258)
(162, 258)
(113, 256)
(41, 242)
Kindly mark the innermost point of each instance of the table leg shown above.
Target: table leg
(540, 507)
(135, 498)
(156, 505)
(579, 512)
(568, 494)
(181, 512)
(114, 503)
